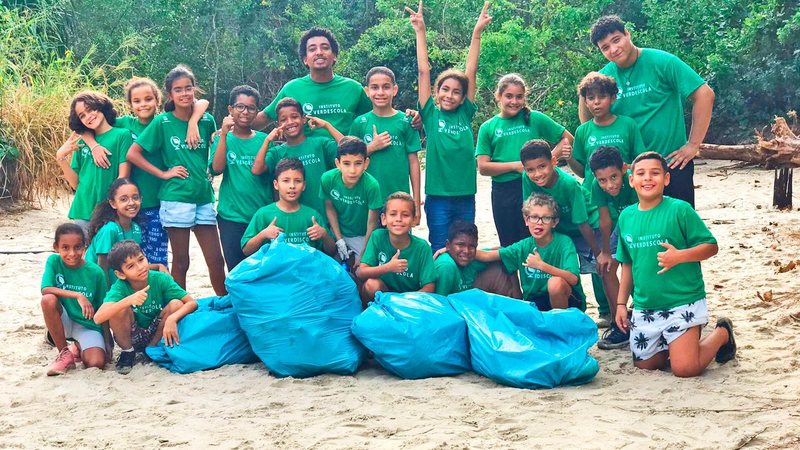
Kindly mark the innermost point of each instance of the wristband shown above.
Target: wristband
(91, 149)
(622, 304)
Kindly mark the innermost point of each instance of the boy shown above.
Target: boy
(395, 260)
(352, 199)
(392, 142)
(611, 193)
(599, 93)
(299, 223)
(142, 306)
(547, 262)
(663, 242)
(317, 153)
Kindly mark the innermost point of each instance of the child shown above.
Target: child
(497, 152)
(611, 193)
(232, 155)
(599, 92)
(663, 242)
(392, 143)
(72, 290)
(316, 152)
(299, 223)
(92, 112)
(187, 199)
(450, 174)
(142, 306)
(395, 260)
(352, 199)
(547, 261)
(113, 220)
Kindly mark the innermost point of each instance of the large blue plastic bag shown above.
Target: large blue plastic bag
(296, 306)
(515, 344)
(414, 335)
(209, 338)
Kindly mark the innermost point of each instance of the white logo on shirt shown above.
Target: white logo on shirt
(592, 140)
(382, 258)
(441, 124)
(232, 156)
(308, 108)
(498, 132)
(367, 138)
(60, 282)
(335, 194)
(176, 142)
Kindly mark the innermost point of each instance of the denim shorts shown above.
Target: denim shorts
(186, 215)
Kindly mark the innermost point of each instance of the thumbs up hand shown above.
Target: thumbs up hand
(669, 258)
(315, 231)
(534, 261)
(380, 141)
(272, 231)
(397, 264)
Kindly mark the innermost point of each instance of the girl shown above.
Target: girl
(72, 290)
(112, 222)
(92, 112)
(450, 175)
(499, 141)
(187, 199)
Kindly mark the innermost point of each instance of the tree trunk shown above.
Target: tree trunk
(782, 190)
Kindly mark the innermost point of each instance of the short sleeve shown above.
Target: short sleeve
(125, 142)
(356, 129)
(682, 77)
(270, 109)
(426, 272)
(373, 192)
(253, 228)
(271, 161)
(550, 130)
(598, 195)
(448, 277)
(364, 103)
(100, 289)
(637, 143)
(105, 238)
(49, 275)
(428, 110)
(412, 140)
(330, 149)
(116, 293)
(569, 258)
(325, 186)
(513, 255)
(172, 291)
(468, 108)
(578, 204)
(693, 227)
(484, 145)
(623, 253)
(370, 255)
(579, 147)
(211, 158)
(150, 140)
(76, 160)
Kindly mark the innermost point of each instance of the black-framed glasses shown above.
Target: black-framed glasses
(540, 219)
(241, 107)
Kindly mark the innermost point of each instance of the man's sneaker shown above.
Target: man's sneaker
(613, 338)
(63, 362)
(76, 352)
(604, 321)
(728, 351)
(125, 362)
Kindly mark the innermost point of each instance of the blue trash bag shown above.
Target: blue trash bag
(414, 335)
(296, 306)
(515, 344)
(209, 338)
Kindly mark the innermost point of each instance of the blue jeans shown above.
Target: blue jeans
(442, 211)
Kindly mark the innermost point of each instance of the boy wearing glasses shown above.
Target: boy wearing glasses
(547, 261)
(241, 193)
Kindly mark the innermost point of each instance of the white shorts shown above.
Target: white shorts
(653, 331)
(186, 215)
(355, 244)
(85, 337)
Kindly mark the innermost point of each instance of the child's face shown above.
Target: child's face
(319, 55)
(648, 178)
(609, 179)
(599, 104)
(540, 170)
(352, 167)
(540, 221)
(127, 201)
(381, 90)
(244, 110)
(135, 268)
(70, 247)
(90, 118)
(292, 122)
(182, 93)
(290, 184)
(618, 48)
(450, 95)
(144, 102)
(398, 216)
(511, 100)
(462, 249)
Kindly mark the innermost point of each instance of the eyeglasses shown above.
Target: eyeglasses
(241, 107)
(179, 91)
(540, 219)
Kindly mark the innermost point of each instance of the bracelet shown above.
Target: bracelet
(622, 304)
(63, 158)
(91, 149)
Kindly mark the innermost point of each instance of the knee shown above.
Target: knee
(558, 286)
(49, 302)
(122, 318)
(686, 370)
(94, 357)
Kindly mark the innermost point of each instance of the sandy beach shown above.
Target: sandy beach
(753, 402)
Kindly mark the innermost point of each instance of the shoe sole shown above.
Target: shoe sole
(726, 323)
(124, 370)
(603, 346)
(53, 373)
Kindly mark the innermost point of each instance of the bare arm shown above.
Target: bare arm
(414, 174)
(430, 287)
(220, 160)
(64, 156)
(189, 306)
(365, 272)
(605, 229)
(625, 287)
(474, 53)
(111, 309)
(583, 111)
(702, 105)
(193, 131)
(487, 255)
(489, 168)
(333, 219)
(102, 261)
(423, 64)
(588, 236)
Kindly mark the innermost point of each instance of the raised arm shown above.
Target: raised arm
(260, 162)
(63, 157)
(220, 160)
(474, 53)
(423, 64)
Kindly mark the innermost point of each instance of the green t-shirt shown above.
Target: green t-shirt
(450, 168)
(626, 197)
(294, 224)
(640, 235)
(622, 133)
(317, 154)
(352, 205)
(87, 279)
(501, 138)
(451, 278)
(149, 185)
(573, 200)
(241, 193)
(389, 166)
(651, 92)
(560, 253)
(166, 135)
(338, 101)
(420, 271)
(93, 180)
(163, 289)
(108, 235)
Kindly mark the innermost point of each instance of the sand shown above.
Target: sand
(749, 403)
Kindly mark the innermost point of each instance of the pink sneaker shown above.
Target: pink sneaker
(63, 362)
(76, 352)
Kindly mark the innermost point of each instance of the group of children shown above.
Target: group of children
(143, 179)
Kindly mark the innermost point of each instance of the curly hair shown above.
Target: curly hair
(92, 101)
(597, 83)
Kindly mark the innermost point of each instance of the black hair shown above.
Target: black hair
(535, 149)
(103, 212)
(605, 156)
(462, 227)
(382, 71)
(289, 164)
(243, 90)
(288, 102)
(404, 196)
(121, 251)
(597, 83)
(350, 145)
(651, 155)
(315, 32)
(605, 26)
(180, 71)
(70, 228)
(94, 101)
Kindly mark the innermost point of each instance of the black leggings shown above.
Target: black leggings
(230, 236)
(507, 211)
(681, 184)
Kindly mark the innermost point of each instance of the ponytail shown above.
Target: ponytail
(526, 115)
